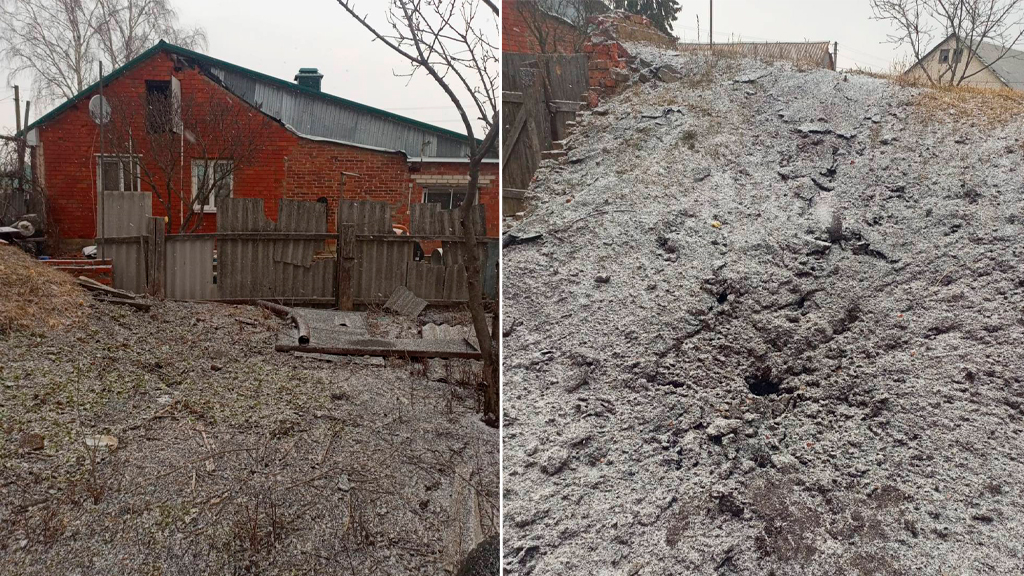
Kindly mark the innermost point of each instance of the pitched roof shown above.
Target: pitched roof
(307, 112)
(1009, 68)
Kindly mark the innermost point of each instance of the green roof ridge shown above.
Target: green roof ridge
(163, 45)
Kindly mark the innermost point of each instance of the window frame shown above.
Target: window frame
(211, 202)
(944, 55)
(450, 190)
(102, 159)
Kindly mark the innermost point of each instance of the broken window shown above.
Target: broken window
(211, 180)
(119, 174)
(958, 55)
(943, 56)
(448, 198)
(159, 107)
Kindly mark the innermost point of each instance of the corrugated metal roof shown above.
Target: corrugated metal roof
(305, 111)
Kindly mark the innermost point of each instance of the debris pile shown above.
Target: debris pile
(772, 327)
(34, 297)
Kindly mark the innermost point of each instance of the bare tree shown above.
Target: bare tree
(126, 28)
(558, 26)
(449, 40)
(969, 23)
(149, 137)
(59, 42)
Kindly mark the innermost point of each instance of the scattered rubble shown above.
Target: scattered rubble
(827, 379)
(128, 454)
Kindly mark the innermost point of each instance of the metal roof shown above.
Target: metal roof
(1009, 68)
(307, 112)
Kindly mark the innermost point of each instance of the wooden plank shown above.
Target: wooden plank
(346, 264)
(403, 348)
(254, 236)
(513, 138)
(157, 255)
(514, 97)
(513, 193)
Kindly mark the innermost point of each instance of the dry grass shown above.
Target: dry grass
(987, 106)
(34, 297)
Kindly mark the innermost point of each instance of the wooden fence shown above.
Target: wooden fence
(250, 257)
(541, 96)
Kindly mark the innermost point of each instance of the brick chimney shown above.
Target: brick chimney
(309, 78)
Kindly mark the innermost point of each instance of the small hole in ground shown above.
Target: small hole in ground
(761, 383)
(723, 297)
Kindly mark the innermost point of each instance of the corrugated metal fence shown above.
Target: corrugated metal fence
(251, 257)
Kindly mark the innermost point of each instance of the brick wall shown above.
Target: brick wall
(516, 35)
(287, 166)
(608, 57)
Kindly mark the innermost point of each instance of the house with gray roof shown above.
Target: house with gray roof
(981, 64)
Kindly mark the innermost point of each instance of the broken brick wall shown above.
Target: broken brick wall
(609, 57)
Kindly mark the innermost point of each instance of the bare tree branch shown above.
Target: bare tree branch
(445, 39)
(59, 42)
(970, 23)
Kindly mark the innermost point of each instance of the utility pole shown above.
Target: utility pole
(19, 144)
(835, 57)
(17, 110)
(711, 23)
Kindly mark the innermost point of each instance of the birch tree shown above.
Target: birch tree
(59, 43)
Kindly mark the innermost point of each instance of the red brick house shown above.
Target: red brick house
(304, 144)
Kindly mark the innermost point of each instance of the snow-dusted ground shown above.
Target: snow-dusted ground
(819, 238)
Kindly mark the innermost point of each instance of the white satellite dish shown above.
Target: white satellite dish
(99, 109)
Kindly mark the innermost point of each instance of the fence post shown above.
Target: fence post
(157, 258)
(345, 261)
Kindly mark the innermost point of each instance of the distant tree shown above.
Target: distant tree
(59, 42)
(126, 28)
(970, 22)
(661, 12)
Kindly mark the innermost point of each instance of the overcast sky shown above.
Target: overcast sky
(278, 38)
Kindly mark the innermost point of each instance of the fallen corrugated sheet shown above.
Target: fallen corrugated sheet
(405, 302)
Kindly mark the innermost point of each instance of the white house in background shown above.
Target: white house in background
(984, 65)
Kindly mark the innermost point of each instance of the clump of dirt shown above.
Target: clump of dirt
(798, 300)
(34, 297)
